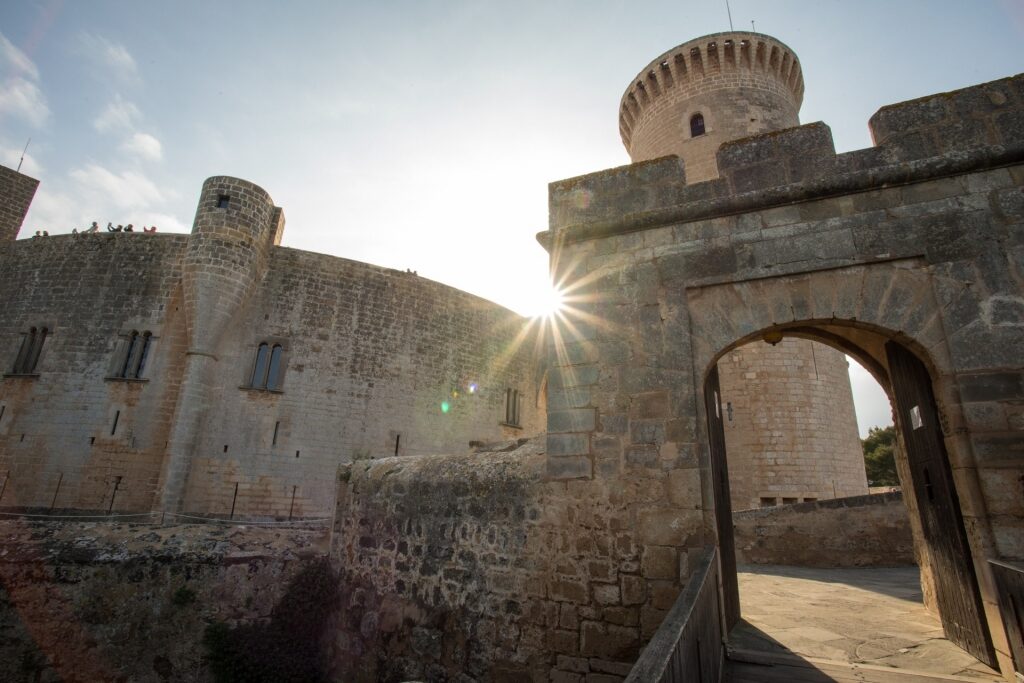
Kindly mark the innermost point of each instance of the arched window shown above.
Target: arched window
(133, 351)
(259, 368)
(268, 369)
(274, 372)
(28, 353)
(696, 125)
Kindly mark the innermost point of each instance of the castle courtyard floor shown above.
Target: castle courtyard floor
(866, 616)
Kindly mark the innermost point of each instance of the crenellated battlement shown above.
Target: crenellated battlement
(703, 64)
(933, 136)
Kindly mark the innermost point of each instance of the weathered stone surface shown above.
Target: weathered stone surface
(100, 600)
(862, 531)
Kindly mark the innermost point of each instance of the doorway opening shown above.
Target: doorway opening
(783, 410)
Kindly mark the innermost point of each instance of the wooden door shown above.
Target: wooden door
(959, 601)
(723, 505)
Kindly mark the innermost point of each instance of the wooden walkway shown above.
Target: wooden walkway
(747, 666)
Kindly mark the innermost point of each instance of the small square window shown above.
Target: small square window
(768, 502)
(790, 501)
(222, 201)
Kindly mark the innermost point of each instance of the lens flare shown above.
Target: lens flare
(445, 406)
(472, 387)
(552, 302)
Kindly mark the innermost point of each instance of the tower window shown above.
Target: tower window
(268, 368)
(28, 353)
(513, 401)
(222, 201)
(132, 355)
(696, 125)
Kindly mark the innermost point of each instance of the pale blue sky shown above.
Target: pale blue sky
(414, 135)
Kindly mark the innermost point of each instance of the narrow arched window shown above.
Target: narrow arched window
(126, 365)
(147, 338)
(133, 352)
(696, 125)
(27, 341)
(259, 368)
(28, 354)
(274, 373)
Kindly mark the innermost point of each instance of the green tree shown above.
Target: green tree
(879, 461)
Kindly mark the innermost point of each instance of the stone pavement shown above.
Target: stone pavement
(859, 615)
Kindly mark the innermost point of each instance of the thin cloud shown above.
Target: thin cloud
(118, 115)
(20, 96)
(143, 145)
(15, 61)
(23, 99)
(128, 190)
(113, 57)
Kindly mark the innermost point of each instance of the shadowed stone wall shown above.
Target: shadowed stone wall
(16, 192)
(84, 601)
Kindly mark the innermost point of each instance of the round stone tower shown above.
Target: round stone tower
(710, 90)
(791, 431)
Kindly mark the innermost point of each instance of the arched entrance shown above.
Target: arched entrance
(931, 490)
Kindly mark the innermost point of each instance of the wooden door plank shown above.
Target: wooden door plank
(957, 593)
(723, 505)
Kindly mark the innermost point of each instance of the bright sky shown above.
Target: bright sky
(414, 135)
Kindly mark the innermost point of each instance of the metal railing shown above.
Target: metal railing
(688, 646)
(1009, 578)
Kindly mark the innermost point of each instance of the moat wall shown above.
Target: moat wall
(83, 601)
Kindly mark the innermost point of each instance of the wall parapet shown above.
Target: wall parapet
(797, 165)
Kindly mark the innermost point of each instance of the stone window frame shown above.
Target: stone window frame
(699, 119)
(130, 358)
(268, 380)
(513, 408)
(30, 350)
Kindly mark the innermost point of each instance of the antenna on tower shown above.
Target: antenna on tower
(752, 26)
(730, 14)
(20, 161)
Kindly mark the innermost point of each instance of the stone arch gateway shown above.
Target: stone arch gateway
(924, 464)
(917, 242)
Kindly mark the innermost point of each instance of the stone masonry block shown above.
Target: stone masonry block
(659, 562)
(562, 445)
(650, 405)
(633, 590)
(668, 527)
(574, 467)
(615, 642)
(572, 420)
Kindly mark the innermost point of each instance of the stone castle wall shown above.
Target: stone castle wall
(370, 355)
(860, 531)
(69, 432)
(377, 354)
(790, 426)
(916, 242)
(17, 191)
